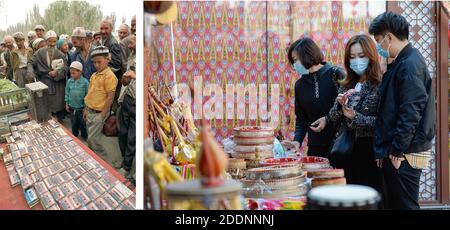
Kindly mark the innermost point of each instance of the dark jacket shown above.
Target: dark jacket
(406, 113)
(309, 108)
(88, 65)
(366, 110)
(116, 54)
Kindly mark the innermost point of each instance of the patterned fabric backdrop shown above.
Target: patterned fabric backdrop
(242, 45)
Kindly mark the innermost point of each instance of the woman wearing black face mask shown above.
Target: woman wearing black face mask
(315, 93)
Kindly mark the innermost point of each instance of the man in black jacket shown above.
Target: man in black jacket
(405, 125)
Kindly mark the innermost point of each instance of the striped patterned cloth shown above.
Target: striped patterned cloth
(419, 160)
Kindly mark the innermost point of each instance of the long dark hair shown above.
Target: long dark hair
(373, 71)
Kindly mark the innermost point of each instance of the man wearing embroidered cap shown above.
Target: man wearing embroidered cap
(49, 65)
(40, 30)
(99, 99)
(20, 57)
(76, 89)
(82, 52)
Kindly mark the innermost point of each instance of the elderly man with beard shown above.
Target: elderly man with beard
(124, 31)
(49, 65)
(133, 25)
(124, 43)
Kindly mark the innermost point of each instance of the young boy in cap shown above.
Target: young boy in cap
(99, 99)
(76, 89)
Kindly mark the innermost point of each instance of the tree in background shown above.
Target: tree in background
(62, 17)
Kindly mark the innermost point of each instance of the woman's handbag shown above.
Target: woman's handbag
(342, 148)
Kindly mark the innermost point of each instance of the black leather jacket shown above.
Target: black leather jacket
(406, 116)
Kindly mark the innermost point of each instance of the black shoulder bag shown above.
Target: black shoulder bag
(343, 146)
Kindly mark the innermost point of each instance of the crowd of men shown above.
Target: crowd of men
(90, 76)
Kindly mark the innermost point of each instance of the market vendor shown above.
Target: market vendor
(49, 65)
(99, 99)
(315, 94)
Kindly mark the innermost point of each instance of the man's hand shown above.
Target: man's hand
(125, 80)
(52, 73)
(67, 108)
(319, 125)
(396, 161)
(127, 76)
(131, 74)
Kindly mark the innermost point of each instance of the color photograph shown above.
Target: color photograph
(296, 105)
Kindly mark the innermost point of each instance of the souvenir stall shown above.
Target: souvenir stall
(225, 62)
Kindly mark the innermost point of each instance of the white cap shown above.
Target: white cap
(50, 34)
(79, 32)
(39, 27)
(100, 51)
(31, 33)
(36, 42)
(63, 36)
(77, 65)
(18, 35)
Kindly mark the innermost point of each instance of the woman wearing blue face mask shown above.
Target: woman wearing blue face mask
(315, 93)
(356, 111)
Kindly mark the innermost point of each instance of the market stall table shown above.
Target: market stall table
(13, 197)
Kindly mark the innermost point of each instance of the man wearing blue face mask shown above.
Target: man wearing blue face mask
(405, 125)
(315, 93)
